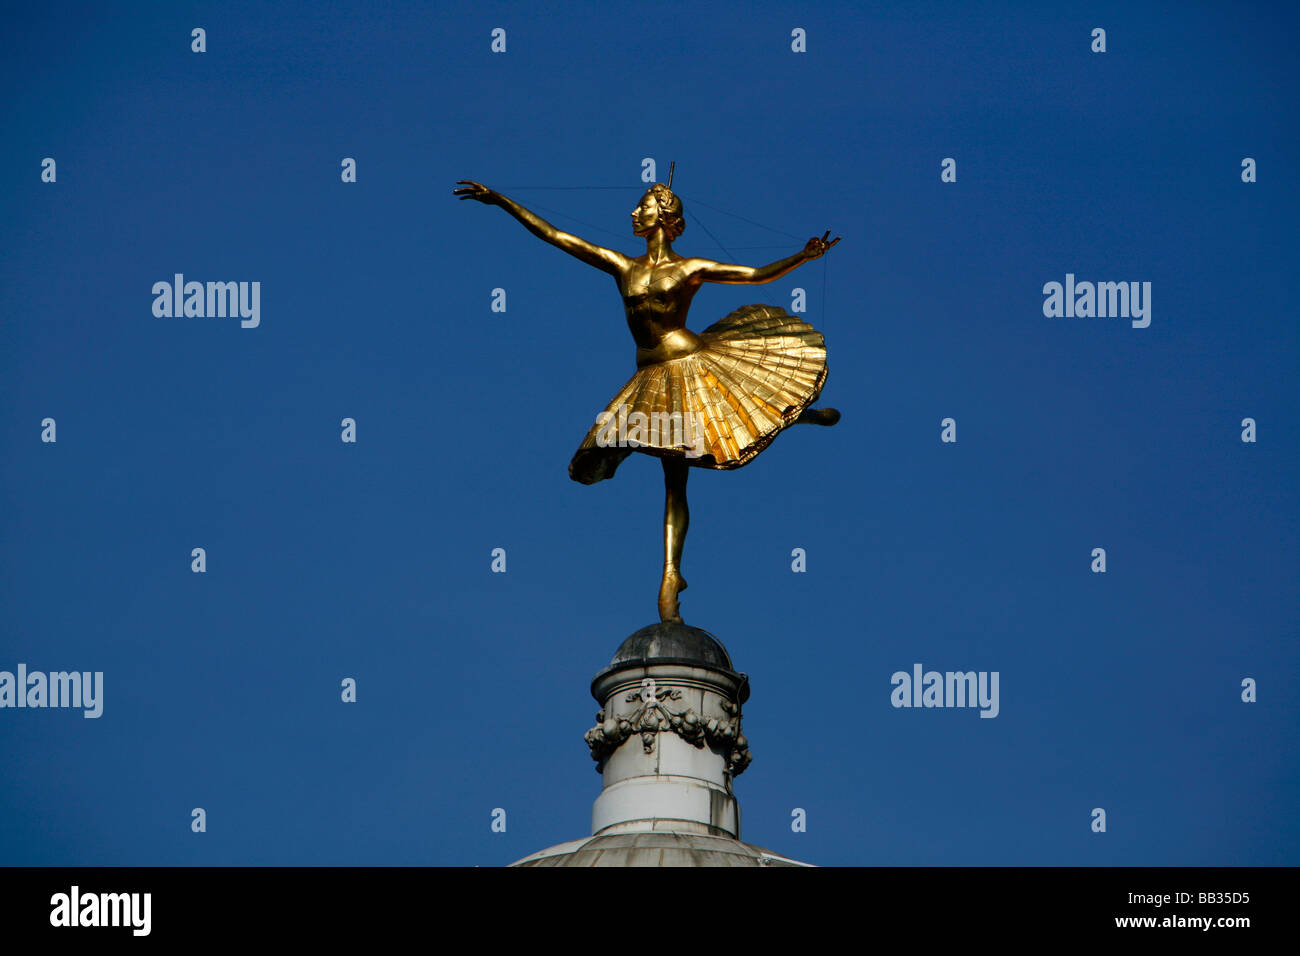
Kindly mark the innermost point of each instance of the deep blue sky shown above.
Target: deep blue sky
(371, 560)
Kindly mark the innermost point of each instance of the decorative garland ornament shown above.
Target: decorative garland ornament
(653, 716)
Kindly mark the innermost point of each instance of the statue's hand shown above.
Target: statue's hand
(473, 190)
(816, 248)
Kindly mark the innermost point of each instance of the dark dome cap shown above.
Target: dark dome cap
(675, 642)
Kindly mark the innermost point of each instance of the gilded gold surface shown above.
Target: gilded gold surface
(740, 382)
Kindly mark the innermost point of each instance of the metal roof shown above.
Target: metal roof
(657, 849)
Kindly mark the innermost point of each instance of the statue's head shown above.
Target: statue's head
(658, 207)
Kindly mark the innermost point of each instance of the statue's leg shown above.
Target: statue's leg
(818, 416)
(677, 518)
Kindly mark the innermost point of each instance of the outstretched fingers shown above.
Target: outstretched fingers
(470, 189)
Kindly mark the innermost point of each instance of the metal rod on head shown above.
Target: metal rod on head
(671, 166)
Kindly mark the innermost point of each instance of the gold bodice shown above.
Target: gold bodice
(656, 298)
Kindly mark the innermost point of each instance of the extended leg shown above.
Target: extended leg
(818, 416)
(677, 519)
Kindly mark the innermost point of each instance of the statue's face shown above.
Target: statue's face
(646, 215)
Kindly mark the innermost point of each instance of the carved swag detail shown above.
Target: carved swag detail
(654, 716)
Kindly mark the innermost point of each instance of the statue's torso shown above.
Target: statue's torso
(656, 298)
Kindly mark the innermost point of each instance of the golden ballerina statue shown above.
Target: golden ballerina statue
(719, 396)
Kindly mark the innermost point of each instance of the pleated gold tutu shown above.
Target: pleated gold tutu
(756, 371)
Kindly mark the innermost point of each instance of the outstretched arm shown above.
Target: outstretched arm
(709, 271)
(607, 260)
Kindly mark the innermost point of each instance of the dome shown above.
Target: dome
(667, 643)
(656, 849)
(674, 642)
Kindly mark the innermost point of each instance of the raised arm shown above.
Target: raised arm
(709, 271)
(606, 260)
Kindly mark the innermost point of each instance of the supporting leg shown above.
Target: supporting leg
(677, 519)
